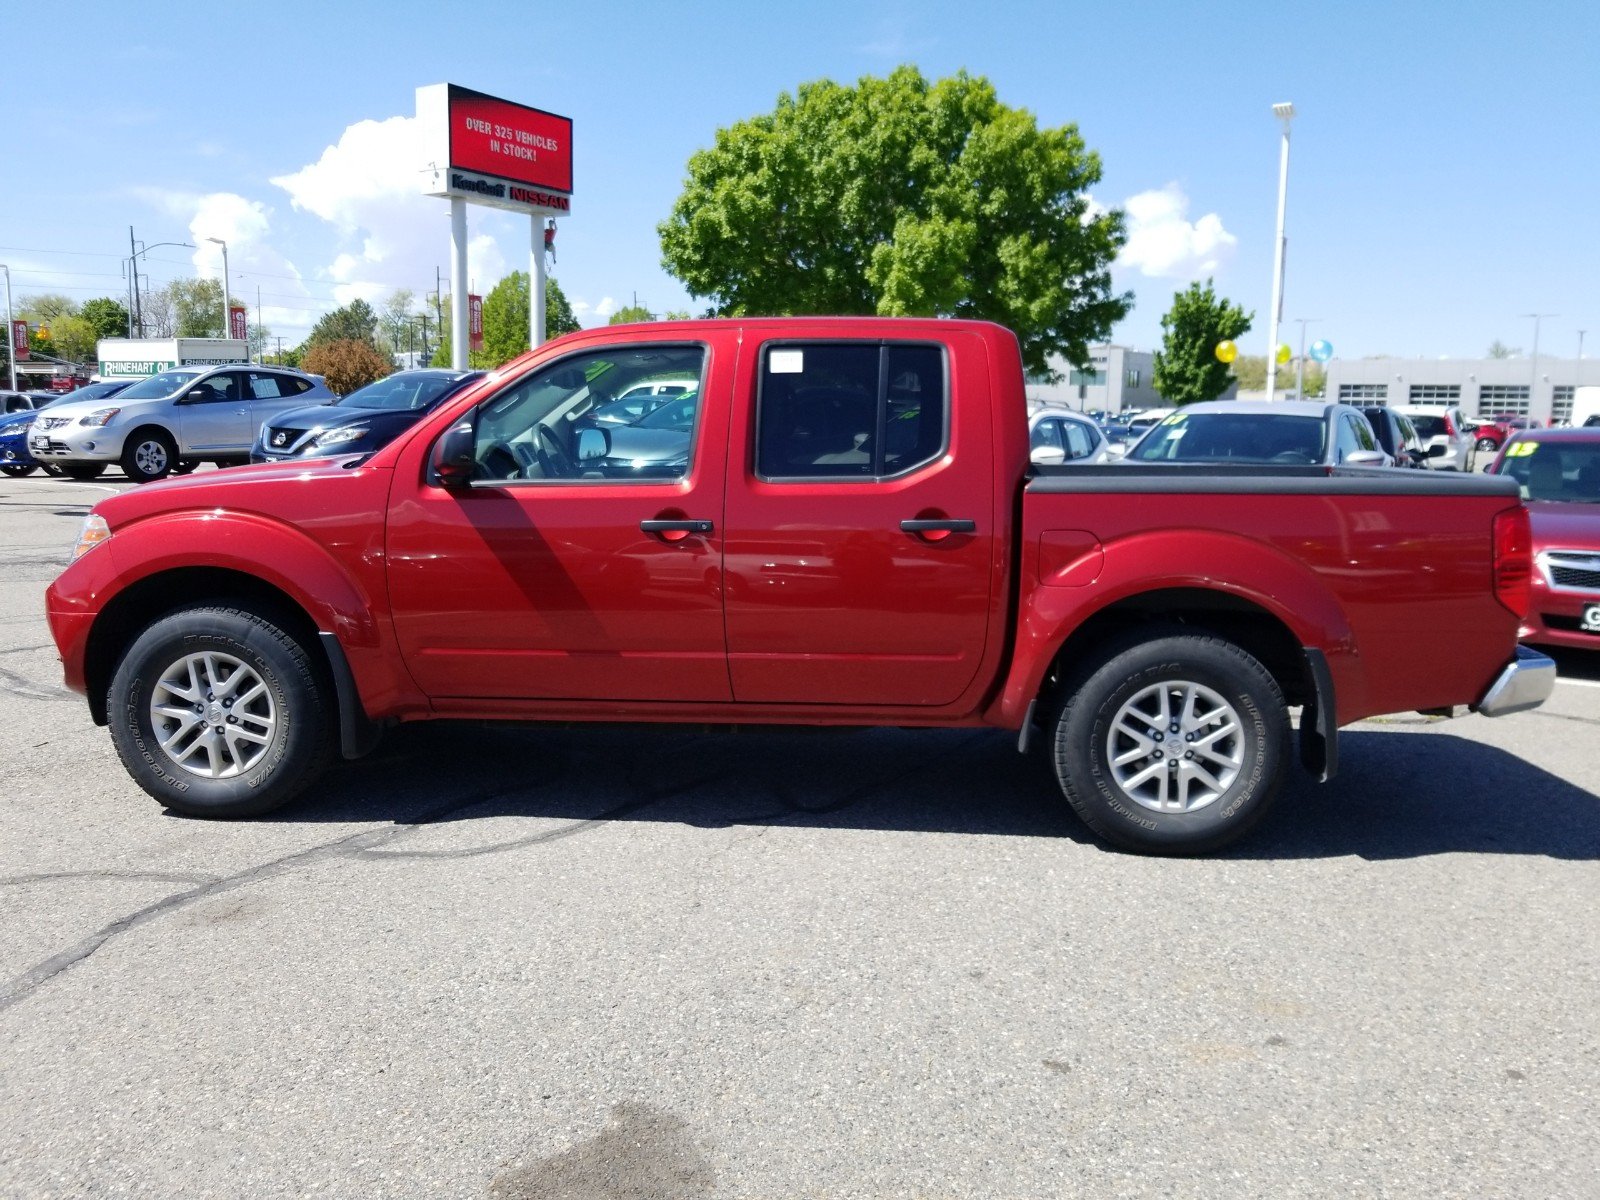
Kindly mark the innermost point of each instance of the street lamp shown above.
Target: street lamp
(1532, 391)
(11, 330)
(1285, 113)
(227, 304)
(133, 269)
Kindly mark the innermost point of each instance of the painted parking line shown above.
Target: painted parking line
(1581, 682)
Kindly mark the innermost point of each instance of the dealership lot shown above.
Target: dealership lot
(531, 962)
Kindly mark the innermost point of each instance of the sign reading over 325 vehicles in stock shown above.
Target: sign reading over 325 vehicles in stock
(491, 151)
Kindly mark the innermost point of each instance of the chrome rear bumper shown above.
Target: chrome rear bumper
(1526, 683)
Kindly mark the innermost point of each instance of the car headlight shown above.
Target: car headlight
(337, 437)
(94, 531)
(99, 417)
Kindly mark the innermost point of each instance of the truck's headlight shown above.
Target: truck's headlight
(94, 531)
(100, 416)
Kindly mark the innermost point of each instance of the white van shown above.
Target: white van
(1585, 407)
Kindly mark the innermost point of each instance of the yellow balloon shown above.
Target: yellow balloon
(1226, 351)
(1284, 353)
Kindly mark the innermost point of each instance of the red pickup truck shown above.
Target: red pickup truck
(838, 524)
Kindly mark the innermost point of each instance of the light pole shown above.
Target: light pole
(227, 303)
(1534, 389)
(1285, 113)
(133, 267)
(1300, 363)
(11, 330)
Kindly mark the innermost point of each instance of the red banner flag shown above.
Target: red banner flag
(238, 327)
(474, 322)
(19, 340)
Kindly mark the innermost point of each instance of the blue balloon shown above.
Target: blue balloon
(1321, 350)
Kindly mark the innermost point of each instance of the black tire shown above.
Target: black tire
(17, 470)
(1141, 666)
(271, 770)
(1487, 444)
(185, 465)
(82, 471)
(149, 455)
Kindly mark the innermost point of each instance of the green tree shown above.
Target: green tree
(394, 319)
(196, 307)
(46, 307)
(676, 314)
(1498, 349)
(346, 364)
(1186, 369)
(505, 321)
(107, 317)
(70, 337)
(631, 314)
(902, 197)
(355, 322)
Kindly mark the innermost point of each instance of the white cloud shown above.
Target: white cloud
(1163, 243)
(583, 309)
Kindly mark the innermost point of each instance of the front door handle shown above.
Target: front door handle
(675, 530)
(939, 525)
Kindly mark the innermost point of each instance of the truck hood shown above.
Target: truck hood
(1566, 526)
(264, 488)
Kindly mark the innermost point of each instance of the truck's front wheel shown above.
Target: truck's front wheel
(1174, 744)
(220, 712)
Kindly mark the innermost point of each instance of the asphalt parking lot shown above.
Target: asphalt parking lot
(619, 962)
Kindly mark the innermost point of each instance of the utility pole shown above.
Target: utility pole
(133, 267)
(1534, 389)
(11, 330)
(1284, 113)
(262, 347)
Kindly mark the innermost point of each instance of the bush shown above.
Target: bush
(346, 364)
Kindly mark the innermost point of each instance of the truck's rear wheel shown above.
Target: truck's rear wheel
(1173, 744)
(219, 712)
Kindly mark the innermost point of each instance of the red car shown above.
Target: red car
(1559, 473)
(1492, 432)
(843, 528)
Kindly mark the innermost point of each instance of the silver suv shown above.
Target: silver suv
(171, 421)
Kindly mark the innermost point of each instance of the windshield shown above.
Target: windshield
(1563, 472)
(1234, 438)
(408, 390)
(168, 383)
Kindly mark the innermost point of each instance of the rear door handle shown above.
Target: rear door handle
(679, 526)
(941, 525)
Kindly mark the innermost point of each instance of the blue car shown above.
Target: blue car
(15, 460)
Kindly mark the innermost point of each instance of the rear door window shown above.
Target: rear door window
(849, 410)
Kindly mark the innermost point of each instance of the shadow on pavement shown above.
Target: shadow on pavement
(1399, 794)
(1574, 664)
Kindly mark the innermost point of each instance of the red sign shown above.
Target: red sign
(510, 141)
(474, 322)
(19, 340)
(238, 326)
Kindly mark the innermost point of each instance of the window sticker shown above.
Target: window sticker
(1521, 449)
(786, 362)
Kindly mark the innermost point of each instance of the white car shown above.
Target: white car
(171, 421)
(1443, 427)
(1060, 435)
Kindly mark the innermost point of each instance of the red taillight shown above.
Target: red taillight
(1513, 560)
(1449, 426)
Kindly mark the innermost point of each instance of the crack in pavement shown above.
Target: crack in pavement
(21, 685)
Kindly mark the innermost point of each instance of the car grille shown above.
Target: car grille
(1575, 570)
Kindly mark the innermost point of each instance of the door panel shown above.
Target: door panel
(215, 415)
(547, 587)
(830, 600)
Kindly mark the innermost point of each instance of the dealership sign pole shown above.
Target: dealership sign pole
(478, 149)
(11, 330)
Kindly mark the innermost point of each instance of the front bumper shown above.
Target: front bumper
(76, 443)
(1526, 682)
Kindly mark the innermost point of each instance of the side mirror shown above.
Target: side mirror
(1439, 450)
(1048, 456)
(453, 463)
(593, 443)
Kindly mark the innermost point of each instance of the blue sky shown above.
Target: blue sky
(1444, 176)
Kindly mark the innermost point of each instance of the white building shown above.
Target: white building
(1482, 386)
(1118, 381)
